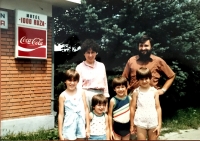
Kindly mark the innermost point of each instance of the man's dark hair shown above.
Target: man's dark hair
(89, 44)
(144, 38)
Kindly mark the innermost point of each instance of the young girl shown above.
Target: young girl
(98, 119)
(147, 116)
(119, 113)
(73, 102)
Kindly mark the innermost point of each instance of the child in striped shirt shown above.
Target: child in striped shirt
(119, 112)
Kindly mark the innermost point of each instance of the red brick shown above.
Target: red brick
(4, 65)
(9, 54)
(4, 35)
(9, 47)
(4, 79)
(27, 65)
(12, 51)
(27, 99)
(11, 43)
(10, 32)
(5, 101)
(3, 53)
(4, 58)
(4, 43)
(15, 107)
(10, 39)
(15, 114)
(15, 100)
(24, 82)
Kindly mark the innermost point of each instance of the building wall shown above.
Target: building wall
(25, 83)
(36, 6)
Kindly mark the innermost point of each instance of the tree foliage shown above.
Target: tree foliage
(116, 24)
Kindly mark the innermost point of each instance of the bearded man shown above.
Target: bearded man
(145, 59)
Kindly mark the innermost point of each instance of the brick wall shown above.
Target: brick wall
(25, 83)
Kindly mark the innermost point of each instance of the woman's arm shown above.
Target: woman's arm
(87, 117)
(107, 128)
(61, 116)
(110, 118)
(132, 112)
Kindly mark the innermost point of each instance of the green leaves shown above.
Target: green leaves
(116, 25)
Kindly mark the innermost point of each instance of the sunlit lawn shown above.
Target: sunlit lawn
(185, 119)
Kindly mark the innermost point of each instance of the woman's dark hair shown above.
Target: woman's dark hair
(89, 44)
(118, 81)
(98, 99)
(143, 72)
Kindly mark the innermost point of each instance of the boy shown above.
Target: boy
(119, 112)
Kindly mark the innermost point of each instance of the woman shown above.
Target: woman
(93, 79)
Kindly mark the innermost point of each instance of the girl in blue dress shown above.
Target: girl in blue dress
(72, 102)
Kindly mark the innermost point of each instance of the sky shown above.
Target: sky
(58, 47)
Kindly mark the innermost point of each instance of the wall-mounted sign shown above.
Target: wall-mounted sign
(25, 18)
(30, 35)
(31, 43)
(4, 19)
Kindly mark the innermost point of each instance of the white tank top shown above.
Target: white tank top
(98, 125)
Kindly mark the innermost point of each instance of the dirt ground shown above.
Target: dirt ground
(190, 134)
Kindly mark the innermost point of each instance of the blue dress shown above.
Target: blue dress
(74, 119)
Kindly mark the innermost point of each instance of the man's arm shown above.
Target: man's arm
(166, 86)
(164, 67)
(126, 71)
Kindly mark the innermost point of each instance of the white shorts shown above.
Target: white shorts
(147, 120)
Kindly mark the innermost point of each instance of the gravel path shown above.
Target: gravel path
(191, 134)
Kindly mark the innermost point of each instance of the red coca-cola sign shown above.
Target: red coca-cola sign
(31, 43)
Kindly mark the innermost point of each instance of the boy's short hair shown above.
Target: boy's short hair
(143, 72)
(71, 74)
(118, 81)
(98, 99)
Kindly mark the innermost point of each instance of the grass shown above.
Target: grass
(39, 135)
(184, 119)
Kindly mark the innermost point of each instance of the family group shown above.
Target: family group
(85, 111)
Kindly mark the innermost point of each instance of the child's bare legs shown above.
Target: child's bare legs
(76, 139)
(152, 135)
(127, 137)
(117, 137)
(80, 139)
(141, 133)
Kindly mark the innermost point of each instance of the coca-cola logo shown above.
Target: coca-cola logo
(34, 41)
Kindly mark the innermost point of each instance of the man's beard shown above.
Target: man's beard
(143, 56)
